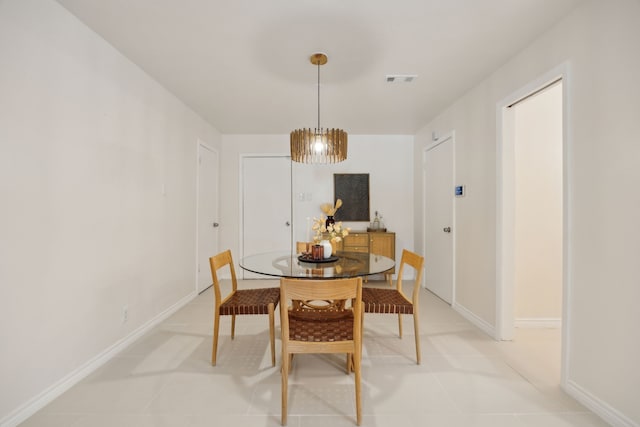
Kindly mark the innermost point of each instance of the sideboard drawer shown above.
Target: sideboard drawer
(357, 239)
(361, 249)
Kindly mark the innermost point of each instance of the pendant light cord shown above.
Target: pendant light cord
(318, 96)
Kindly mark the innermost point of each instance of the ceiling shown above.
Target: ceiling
(243, 65)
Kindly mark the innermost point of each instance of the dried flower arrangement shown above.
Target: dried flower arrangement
(332, 231)
(329, 209)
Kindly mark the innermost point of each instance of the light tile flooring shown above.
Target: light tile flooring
(465, 379)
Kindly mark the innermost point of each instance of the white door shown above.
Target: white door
(438, 197)
(266, 206)
(207, 213)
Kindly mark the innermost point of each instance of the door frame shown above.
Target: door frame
(201, 145)
(505, 206)
(451, 135)
(241, 195)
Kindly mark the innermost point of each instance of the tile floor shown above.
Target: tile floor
(465, 379)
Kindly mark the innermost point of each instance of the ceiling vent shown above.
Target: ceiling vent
(400, 78)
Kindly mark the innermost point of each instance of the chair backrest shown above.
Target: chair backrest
(301, 247)
(218, 262)
(322, 291)
(416, 261)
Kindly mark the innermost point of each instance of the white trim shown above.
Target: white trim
(538, 322)
(482, 324)
(41, 400)
(451, 135)
(567, 294)
(599, 407)
(441, 140)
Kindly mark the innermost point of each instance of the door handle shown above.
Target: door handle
(215, 225)
(447, 229)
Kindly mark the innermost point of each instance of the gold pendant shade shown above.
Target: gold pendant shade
(318, 146)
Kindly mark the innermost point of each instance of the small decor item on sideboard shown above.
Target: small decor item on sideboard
(377, 224)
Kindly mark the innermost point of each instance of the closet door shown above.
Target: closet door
(439, 232)
(208, 226)
(266, 206)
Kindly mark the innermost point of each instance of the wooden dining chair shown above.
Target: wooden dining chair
(394, 301)
(327, 318)
(302, 247)
(240, 302)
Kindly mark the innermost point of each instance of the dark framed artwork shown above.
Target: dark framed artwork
(353, 190)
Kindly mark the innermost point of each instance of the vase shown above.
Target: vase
(327, 248)
(329, 221)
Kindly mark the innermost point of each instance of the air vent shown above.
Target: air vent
(401, 78)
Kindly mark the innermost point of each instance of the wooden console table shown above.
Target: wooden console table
(372, 242)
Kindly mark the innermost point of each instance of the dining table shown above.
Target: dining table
(342, 264)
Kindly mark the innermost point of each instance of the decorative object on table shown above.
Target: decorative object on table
(327, 232)
(327, 248)
(318, 146)
(329, 221)
(309, 258)
(317, 252)
(334, 233)
(330, 210)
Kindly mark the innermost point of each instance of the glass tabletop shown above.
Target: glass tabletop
(286, 264)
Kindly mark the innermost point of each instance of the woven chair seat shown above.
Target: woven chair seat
(386, 301)
(251, 301)
(314, 326)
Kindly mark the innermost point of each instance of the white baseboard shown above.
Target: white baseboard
(41, 400)
(477, 321)
(600, 408)
(538, 322)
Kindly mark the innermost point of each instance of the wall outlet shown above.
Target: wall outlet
(125, 314)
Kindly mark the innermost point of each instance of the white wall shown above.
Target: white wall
(600, 42)
(538, 208)
(386, 158)
(88, 142)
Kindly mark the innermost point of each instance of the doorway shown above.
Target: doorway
(532, 214)
(439, 224)
(207, 213)
(538, 209)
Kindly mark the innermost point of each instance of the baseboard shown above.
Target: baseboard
(538, 322)
(600, 408)
(41, 400)
(477, 321)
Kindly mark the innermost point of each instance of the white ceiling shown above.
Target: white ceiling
(244, 65)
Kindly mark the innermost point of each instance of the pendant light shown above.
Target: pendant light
(318, 146)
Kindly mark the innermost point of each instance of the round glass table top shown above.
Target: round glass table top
(287, 264)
